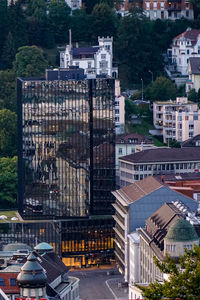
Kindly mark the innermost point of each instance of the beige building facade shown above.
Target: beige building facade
(177, 120)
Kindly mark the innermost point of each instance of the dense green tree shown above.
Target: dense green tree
(8, 182)
(8, 52)
(81, 26)
(59, 20)
(8, 133)
(174, 144)
(3, 22)
(193, 95)
(8, 97)
(183, 278)
(105, 21)
(37, 9)
(17, 24)
(137, 50)
(161, 89)
(30, 62)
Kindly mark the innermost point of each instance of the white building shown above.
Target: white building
(184, 46)
(119, 109)
(158, 161)
(95, 60)
(74, 4)
(177, 120)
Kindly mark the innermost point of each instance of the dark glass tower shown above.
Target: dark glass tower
(67, 159)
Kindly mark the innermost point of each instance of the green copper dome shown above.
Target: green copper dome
(181, 231)
(43, 247)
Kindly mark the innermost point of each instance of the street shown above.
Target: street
(95, 284)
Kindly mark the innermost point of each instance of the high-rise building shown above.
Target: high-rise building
(67, 162)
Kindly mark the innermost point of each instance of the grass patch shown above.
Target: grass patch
(143, 129)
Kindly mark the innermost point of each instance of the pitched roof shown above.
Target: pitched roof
(192, 141)
(84, 50)
(139, 189)
(164, 155)
(191, 34)
(195, 65)
(137, 139)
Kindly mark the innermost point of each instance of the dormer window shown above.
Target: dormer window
(122, 141)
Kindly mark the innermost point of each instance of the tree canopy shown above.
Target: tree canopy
(8, 133)
(183, 280)
(30, 62)
(8, 182)
(161, 89)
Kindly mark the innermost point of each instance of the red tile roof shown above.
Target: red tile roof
(191, 34)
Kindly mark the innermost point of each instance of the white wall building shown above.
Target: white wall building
(177, 120)
(96, 60)
(184, 46)
(119, 109)
(74, 4)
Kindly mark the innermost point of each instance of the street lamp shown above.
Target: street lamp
(142, 89)
(151, 75)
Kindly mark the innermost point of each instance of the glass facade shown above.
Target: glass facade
(67, 158)
(67, 148)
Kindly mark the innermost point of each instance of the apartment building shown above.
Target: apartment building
(133, 205)
(177, 120)
(166, 9)
(158, 161)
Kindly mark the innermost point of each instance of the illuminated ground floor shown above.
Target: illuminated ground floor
(80, 242)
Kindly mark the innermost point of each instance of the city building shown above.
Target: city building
(130, 143)
(133, 205)
(184, 46)
(164, 9)
(187, 184)
(193, 81)
(38, 274)
(169, 230)
(95, 60)
(67, 165)
(74, 4)
(158, 161)
(177, 120)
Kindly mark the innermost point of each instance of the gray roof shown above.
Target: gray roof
(164, 155)
(16, 246)
(195, 65)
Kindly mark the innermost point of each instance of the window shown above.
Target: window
(12, 281)
(195, 117)
(187, 13)
(186, 118)
(117, 111)
(188, 51)
(133, 150)
(120, 150)
(103, 56)
(77, 64)
(162, 4)
(155, 14)
(147, 5)
(107, 47)
(2, 283)
(103, 64)
(89, 65)
(198, 51)
(155, 5)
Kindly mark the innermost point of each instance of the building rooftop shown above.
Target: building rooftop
(164, 155)
(84, 50)
(191, 34)
(195, 65)
(44, 247)
(181, 231)
(139, 189)
(133, 138)
(193, 142)
(16, 246)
